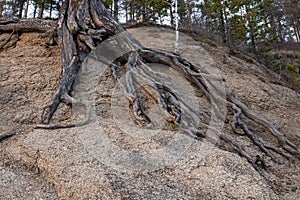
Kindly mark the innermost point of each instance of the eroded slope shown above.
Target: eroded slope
(78, 167)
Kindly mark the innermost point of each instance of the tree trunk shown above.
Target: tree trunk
(50, 9)
(35, 9)
(126, 11)
(181, 11)
(21, 6)
(116, 10)
(132, 11)
(251, 21)
(253, 40)
(223, 26)
(144, 12)
(297, 32)
(229, 41)
(189, 10)
(280, 30)
(84, 25)
(26, 9)
(111, 8)
(41, 9)
(171, 13)
(1, 9)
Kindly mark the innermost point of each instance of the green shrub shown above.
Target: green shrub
(291, 69)
(271, 60)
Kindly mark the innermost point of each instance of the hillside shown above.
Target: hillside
(99, 161)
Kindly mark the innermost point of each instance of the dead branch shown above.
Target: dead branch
(7, 135)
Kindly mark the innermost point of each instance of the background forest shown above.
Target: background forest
(269, 30)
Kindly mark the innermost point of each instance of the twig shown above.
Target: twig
(8, 135)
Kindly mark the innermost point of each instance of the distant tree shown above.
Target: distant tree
(41, 4)
(26, 8)
(116, 9)
(292, 13)
(21, 7)
(215, 12)
(1, 8)
(171, 12)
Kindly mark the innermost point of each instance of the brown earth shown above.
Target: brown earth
(103, 159)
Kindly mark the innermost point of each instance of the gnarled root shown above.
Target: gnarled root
(177, 112)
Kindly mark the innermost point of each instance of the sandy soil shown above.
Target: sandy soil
(112, 158)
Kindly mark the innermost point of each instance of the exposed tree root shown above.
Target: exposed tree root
(83, 25)
(2, 44)
(71, 125)
(7, 135)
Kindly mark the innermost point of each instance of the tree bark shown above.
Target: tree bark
(1, 9)
(223, 26)
(116, 10)
(189, 15)
(126, 11)
(171, 13)
(35, 10)
(21, 6)
(41, 9)
(26, 9)
(132, 18)
(50, 9)
(297, 32)
(251, 21)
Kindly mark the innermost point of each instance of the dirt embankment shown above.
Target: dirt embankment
(102, 160)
